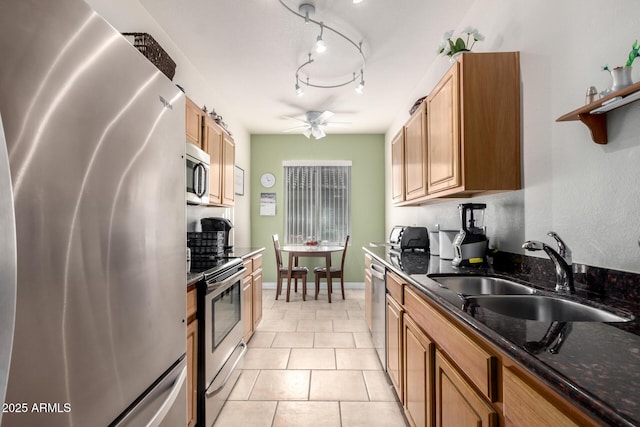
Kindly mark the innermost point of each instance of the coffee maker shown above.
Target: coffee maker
(471, 243)
(222, 227)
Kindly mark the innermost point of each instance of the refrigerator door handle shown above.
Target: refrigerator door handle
(168, 402)
(8, 267)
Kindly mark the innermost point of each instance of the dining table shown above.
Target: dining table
(303, 251)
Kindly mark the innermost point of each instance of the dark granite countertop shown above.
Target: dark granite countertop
(598, 366)
(243, 253)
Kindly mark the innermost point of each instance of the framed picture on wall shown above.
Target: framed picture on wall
(239, 181)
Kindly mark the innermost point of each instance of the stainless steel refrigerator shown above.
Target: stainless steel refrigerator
(95, 145)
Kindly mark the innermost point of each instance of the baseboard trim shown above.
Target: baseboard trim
(347, 285)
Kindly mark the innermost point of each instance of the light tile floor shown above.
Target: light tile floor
(312, 364)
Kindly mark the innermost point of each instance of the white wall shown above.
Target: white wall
(587, 193)
(131, 16)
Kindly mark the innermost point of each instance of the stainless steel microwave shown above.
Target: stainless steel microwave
(198, 165)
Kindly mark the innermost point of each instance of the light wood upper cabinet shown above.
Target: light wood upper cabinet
(228, 172)
(473, 126)
(464, 140)
(193, 124)
(204, 132)
(415, 155)
(443, 159)
(397, 168)
(213, 135)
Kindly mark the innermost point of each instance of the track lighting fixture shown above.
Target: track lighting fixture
(320, 46)
(360, 87)
(305, 11)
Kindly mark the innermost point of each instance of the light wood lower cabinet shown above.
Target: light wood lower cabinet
(447, 375)
(252, 295)
(419, 354)
(457, 403)
(192, 357)
(247, 307)
(394, 345)
(256, 278)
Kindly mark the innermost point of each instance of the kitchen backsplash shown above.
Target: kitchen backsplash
(606, 283)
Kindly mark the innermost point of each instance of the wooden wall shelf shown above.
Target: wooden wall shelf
(594, 115)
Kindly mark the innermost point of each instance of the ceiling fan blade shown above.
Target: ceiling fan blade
(293, 129)
(317, 132)
(337, 124)
(307, 132)
(299, 119)
(324, 116)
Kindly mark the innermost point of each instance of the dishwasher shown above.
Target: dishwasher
(378, 311)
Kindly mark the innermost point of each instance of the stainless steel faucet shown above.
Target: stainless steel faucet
(561, 260)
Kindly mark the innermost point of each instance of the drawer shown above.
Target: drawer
(525, 406)
(191, 303)
(249, 267)
(395, 287)
(367, 261)
(478, 365)
(257, 262)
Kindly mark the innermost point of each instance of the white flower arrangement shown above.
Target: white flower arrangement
(449, 47)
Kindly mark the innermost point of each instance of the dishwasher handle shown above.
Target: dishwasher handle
(377, 271)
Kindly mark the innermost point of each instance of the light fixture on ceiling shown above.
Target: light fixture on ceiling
(357, 1)
(305, 11)
(360, 87)
(320, 46)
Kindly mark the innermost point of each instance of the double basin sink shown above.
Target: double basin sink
(518, 300)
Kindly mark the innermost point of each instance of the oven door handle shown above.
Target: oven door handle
(211, 390)
(219, 287)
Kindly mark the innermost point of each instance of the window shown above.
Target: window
(317, 201)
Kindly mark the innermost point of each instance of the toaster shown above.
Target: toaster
(409, 238)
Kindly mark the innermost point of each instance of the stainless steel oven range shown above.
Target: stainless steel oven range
(221, 347)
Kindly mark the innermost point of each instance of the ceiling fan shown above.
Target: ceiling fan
(313, 123)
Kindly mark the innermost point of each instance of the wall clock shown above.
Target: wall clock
(267, 180)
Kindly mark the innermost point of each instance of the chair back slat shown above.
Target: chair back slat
(344, 253)
(276, 247)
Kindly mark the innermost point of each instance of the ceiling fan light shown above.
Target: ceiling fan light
(320, 46)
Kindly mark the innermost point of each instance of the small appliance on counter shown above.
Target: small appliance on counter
(216, 224)
(409, 238)
(471, 243)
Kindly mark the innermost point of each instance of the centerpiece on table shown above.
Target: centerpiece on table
(462, 44)
(621, 75)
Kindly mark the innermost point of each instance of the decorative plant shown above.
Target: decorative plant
(635, 52)
(450, 47)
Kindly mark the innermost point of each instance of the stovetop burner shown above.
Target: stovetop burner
(211, 265)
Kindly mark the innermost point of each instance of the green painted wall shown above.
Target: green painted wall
(366, 153)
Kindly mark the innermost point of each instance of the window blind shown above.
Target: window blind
(317, 201)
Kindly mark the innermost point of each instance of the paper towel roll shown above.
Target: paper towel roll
(446, 243)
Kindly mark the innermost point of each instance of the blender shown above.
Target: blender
(471, 243)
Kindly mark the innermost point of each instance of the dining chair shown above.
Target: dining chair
(336, 272)
(283, 272)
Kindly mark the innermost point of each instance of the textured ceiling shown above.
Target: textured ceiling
(250, 50)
